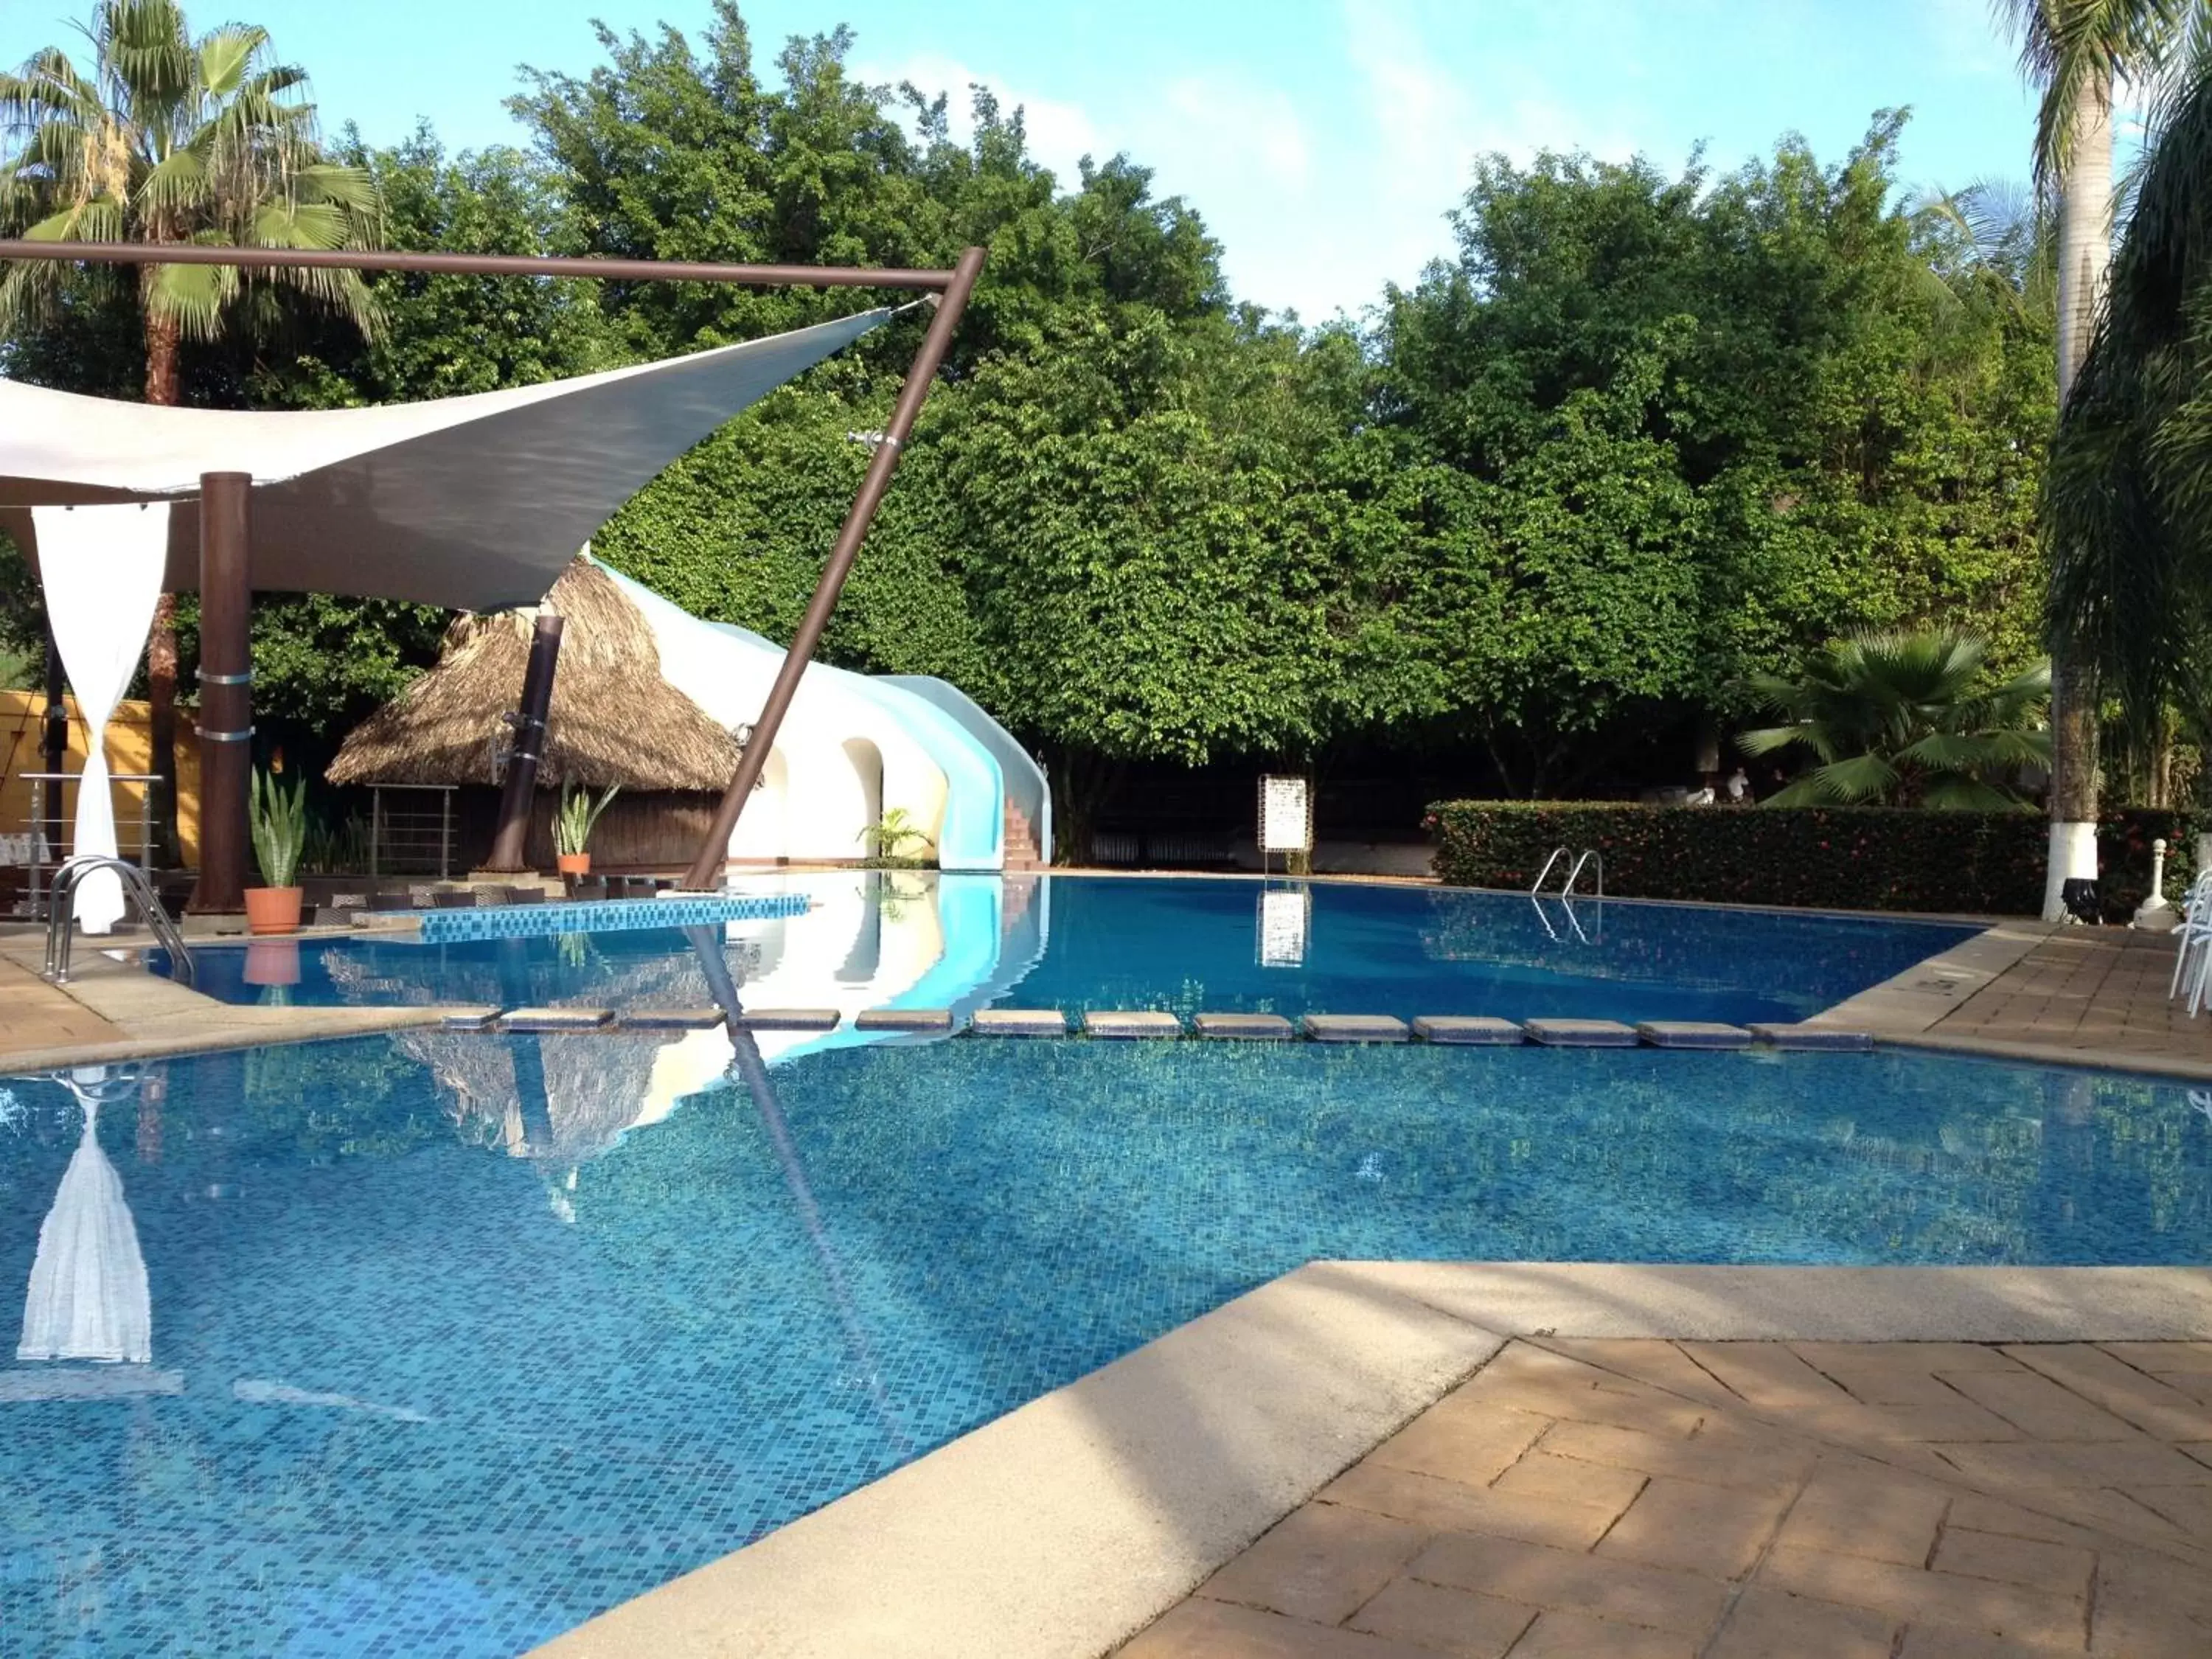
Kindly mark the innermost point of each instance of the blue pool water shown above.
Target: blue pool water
(1187, 945)
(450, 1350)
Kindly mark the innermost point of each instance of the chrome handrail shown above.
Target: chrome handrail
(61, 915)
(1590, 855)
(1537, 885)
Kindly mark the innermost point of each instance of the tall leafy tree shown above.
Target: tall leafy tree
(167, 136)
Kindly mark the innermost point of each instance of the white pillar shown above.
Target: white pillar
(2073, 856)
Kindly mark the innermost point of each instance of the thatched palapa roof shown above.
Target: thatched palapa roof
(614, 719)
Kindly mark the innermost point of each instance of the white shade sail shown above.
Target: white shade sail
(102, 582)
(475, 502)
(88, 1297)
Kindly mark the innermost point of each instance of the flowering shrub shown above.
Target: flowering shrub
(1851, 858)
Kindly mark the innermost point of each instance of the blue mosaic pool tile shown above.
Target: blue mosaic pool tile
(600, 916)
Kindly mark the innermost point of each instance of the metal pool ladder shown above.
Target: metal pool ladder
(61, 913)
(1588, 857)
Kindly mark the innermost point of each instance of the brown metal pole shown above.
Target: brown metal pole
(510, 843)
(705, 871)
(226, 689)
(471, 265)
(55, 748)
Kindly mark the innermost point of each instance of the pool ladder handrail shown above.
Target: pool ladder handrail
(1587, 856)
(61, 914)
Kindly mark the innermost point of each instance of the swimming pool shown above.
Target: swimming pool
(1084, 942)
(454, 1340)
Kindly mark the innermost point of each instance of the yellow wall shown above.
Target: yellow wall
(130, 749)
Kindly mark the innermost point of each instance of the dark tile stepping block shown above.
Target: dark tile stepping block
(467, 1019)
(1354, 1028)
(1019, 1022)
(1131, 1022)
(1813, 1036)
(1474, 1031)
(671, 1019)
(787, 1019)
(904, 1019)
(1692, 1034)
(1581, 1033)
(1244, 1027)
(558, 1020)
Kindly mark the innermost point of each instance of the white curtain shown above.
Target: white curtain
(88, 1297)
(101, 570)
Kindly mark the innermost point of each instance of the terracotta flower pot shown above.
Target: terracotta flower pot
(574, 864)
(272, 909)
(273, 962)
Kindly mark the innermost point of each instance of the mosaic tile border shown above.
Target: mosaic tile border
(600, 916)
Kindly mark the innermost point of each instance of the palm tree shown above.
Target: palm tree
(171, 138)
(1896, 718)
(2127, 502)
(2078, 53)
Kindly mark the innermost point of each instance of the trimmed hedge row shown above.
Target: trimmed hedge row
(1849, 858)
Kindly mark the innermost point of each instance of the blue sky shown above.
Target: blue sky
(1323, 140)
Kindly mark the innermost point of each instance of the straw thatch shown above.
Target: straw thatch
(614, 719)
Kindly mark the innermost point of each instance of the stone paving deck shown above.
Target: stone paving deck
(2097, 991)
(1648, 1500)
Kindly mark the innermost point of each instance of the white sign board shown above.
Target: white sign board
(1286, 815)
(1285, 914)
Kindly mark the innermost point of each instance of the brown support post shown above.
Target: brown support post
(705, 874)
(510, 844)
(55, 748)
(226, 689)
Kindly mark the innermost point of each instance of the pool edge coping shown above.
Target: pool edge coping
(1064, 1526)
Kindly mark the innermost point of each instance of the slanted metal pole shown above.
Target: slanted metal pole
(226, 689)
(509, 845)
(705, 871)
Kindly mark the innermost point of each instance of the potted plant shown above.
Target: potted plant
(571, 828)
(280, 831)
(895, 842)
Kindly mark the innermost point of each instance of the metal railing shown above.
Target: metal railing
(48, 850)
(61, 915)
(410, 839)
(1587, 857)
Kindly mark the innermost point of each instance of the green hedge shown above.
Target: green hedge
(1852, 858)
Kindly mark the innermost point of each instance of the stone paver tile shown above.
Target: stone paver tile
(1426, 1501)
(1661, 1364)
(2059, 1568)
(1448, 1620)
(2188, 1507)
(1562, 1387)
(2120, 1388)
(1746, 1460)
(1571, 1480)
(1766, 1374)
(1462, 1438)
(1852, 1422)
(1577, 1636)
(2160, 1358)
(1768, 1623)
(1319, 1563)
(1920, 1356)
(1625, 1591)
(1919, 1596)
(1199, 1629)
(1979, 1513)
(1950, 1642)
(1880, 1382)
(2081, 1463)
(2145, 1609)
(1881, 1517)
(2198, 1385)
(2041, 1407)
(1695, 1528)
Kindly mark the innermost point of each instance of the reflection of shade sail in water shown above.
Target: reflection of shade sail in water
(88, 1298)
